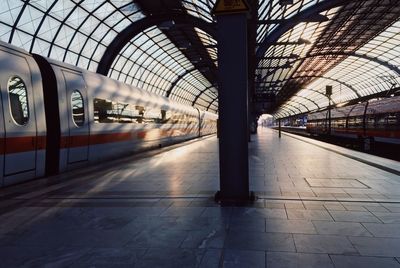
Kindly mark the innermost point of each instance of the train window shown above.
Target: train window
(102, 110)
(153, 116)
(78, 112)
(18, 100)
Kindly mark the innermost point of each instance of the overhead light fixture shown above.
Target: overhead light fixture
(303, 41)
(184, 45)
(290, 56)
(286, 65)
(285, 2)
(300, 41)
(166, 25)
(204, 69)
(342, 104)
(197, 60)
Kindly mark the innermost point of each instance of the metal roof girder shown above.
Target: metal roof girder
(310, 100)
(123, 37)
(201, 93)
(178, 78)
(293, 21)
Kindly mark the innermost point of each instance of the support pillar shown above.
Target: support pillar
(232, 104)
(279, 128)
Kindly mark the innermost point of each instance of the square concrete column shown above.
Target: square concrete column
(233, 106)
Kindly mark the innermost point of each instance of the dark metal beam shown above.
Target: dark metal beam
(211, 103)
(201, 93)
(177, 79)
(328, 78)
(139, 26)
(310, 100)
(320, 93)
(291, 110)
(315, 18)
(347, 54)
(298, 109)
(363, 56)
(274, 36)
(299, 103)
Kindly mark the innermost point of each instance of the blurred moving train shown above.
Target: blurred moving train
(371, 121)
(56, 116)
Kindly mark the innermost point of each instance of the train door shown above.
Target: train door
(20, 130)
(78, 118)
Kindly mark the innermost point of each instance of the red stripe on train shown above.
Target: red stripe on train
(32, 143)
(14, 145)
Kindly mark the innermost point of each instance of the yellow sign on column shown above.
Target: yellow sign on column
(230, 6)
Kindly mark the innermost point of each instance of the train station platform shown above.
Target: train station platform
(318, 205)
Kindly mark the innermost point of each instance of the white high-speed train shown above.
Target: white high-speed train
(56, 117)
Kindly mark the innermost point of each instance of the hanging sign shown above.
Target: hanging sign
(230, 6)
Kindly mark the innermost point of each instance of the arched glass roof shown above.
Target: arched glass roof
(79, 32)
(359, 75)
(300, 48)
(355, 50)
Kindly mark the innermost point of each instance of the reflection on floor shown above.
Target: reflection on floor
(316, 208)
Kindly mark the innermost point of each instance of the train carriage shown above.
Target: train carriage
(57, 117)
(375, 120)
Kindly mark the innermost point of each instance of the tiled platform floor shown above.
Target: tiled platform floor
(316, 208)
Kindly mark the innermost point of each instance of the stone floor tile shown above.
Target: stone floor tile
(251, 212)
(115, 257)
(170, 258)
(341, 228)
(298, 260)
(243, 259)
(157, 239)
(376, 208)
(392, 207)
(388, 217)
(352, 207)
(323, 244)
(364, 262)
(275, 213)
(246, 225)
(259, 241)
(204, 239)
(34, 256)
(199, 224)
(74, 238)
(375, 246)
(334, 206)
(276, 204)
(217, 212)
(294, 205)
(211, 258)
(314, 205)
(354, 216)
(383, 230)
(308, 214)
(183, 212)
(289, 226)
